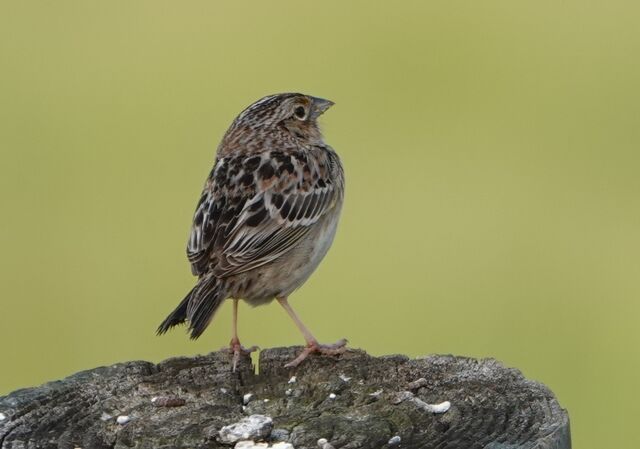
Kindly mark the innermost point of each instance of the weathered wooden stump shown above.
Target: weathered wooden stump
(352, 401)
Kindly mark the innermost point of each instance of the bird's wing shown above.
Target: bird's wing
(256, 208)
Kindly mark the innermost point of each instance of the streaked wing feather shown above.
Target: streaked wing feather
(252, 246)
(265, 219)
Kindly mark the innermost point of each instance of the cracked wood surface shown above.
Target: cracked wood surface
(353, 400)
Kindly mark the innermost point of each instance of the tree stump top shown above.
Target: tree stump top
(353, 401)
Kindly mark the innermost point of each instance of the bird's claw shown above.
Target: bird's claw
(238, 350)
(333, 349)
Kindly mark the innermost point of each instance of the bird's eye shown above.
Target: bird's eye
(300, 112)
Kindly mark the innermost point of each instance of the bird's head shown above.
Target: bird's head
(292, 113)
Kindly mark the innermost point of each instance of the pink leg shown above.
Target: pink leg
(312, 343)
(234, 345)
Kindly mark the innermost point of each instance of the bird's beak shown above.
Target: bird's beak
(320, 105)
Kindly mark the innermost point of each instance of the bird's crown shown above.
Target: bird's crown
(284, 120)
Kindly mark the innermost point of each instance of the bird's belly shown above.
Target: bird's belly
(284, 275)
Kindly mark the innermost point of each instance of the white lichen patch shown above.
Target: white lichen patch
(3, 416)
(394, 441)
(441, 407)
(223, 390)
(324, 444)
(247, 398)
(402, 396)
(432, 408)
(292, 380)
(332, 396)
(254, 427)
(249, 444)
(123, 419)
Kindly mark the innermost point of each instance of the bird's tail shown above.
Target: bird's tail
(198, 307)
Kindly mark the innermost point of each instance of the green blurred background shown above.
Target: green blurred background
(491, 151)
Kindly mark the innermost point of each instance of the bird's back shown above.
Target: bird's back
(257, 208)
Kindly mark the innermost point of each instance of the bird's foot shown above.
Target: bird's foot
(314, 347)
(238, 350)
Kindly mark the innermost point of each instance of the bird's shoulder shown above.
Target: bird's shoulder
(281, 170)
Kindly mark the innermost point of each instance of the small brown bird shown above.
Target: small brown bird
(266, 217)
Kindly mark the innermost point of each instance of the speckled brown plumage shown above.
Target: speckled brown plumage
(267, 214)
